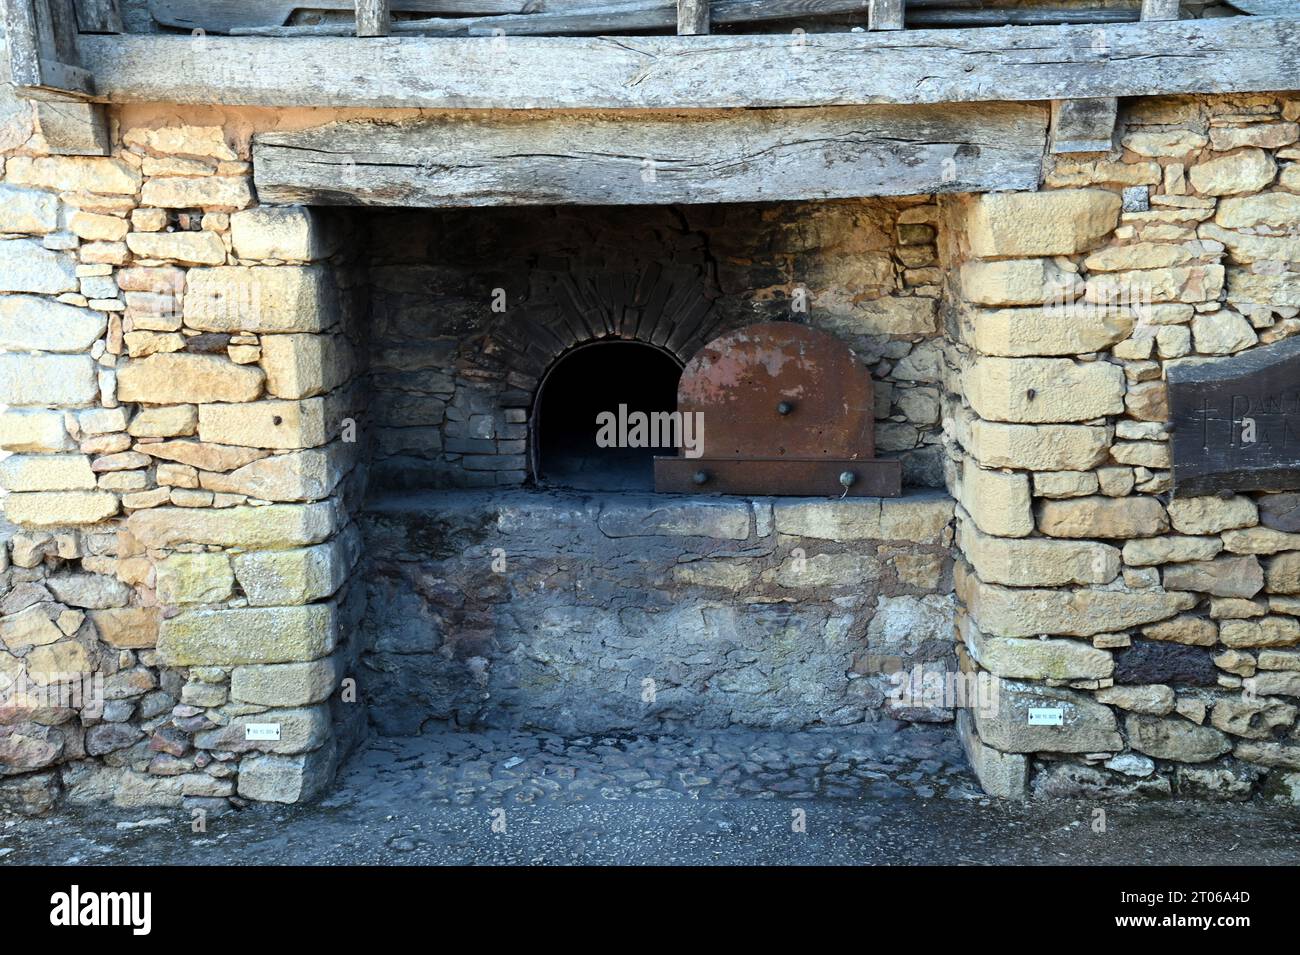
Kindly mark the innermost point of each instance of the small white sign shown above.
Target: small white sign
(261, 731)
(1046, 716)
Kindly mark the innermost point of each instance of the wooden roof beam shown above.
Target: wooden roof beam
(1230, 54)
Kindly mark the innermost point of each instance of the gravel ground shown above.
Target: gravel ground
(736, 798)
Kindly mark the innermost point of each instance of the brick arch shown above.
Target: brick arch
(671, 305)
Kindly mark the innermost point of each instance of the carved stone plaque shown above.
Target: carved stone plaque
(1236, 421)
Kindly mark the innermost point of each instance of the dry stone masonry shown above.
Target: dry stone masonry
(195, 387)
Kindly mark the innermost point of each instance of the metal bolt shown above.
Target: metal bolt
(848, 478)
(784, 408)
(700, 477)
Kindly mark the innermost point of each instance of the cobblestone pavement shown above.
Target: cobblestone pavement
(502, 768)
(875, 796)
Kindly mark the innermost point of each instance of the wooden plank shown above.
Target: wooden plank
(1083, 125)
(41, 36)
(98, 16)
(885, 15)
(222, 16)
(467, 159)
(1160, 9)
(1228, 54)
(1236, 422)
(617, 17)
(372, 18)
(692, 17)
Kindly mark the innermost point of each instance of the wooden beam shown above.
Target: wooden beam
(1223, 55)
(1083, 125)
(885, 15)
(98, 16)
(1160, 9)
(373, 18)
(611, 157)
(44, 60)
(692, 17)
(73, 128)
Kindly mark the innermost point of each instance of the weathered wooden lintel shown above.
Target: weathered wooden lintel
(610, 157)
(1230, 54)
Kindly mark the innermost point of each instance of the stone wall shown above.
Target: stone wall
(471, 308)
(579, 613)
(182, 418)
(1164, 629)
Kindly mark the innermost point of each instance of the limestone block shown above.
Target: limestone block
(29, 211)
(33, 430)
(1117, 518)
(198, 454)
(1247, 249)
(1034, 562)
(729, 575)
(1062, 484)
(200, 578)
(1278, 683)
(723, 520)
(1086, 612)
(1154, 455)
(185, 248)
(1212, 515)
(827, 571)
(1156, 143)
(1018, 282)
(75, 174)
(1012, 658)
(308, 475)
(21, 631)
(1282, 574)
(1048, 447)
(1224, 332)
(1174, 738)
(204, 141)
(301, 366)
(1001, 775)
(27, 266)
(278, 525)
(891, 315)
(1147, 401)
(1221, 577)
(185, 378)
(46, 472)
(1248, 170)
(287, 233)
(922, 518)
(1259, 540)
(168, 421)
(1252, 718)
(270, 424)
(1187, 630)
(248, 635)
(1155, 700)
(98, 228)
(56, 662)
(197, 192)
(286, 684)
(1184, 283)
(1269, 754)
(1265, 135)
(284, 298)
(287, 779)
(1263, 632)
(302, 729)
(60, 508)
(1141, 255)
(284, 577)
(1059, 222)
(127, 628)
(997, 501)
(1087, 726)
(1070, 329)
(1044, 390)
(1273, 210)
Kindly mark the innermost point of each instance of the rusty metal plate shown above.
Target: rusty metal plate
(781, 476)
(780, 390)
